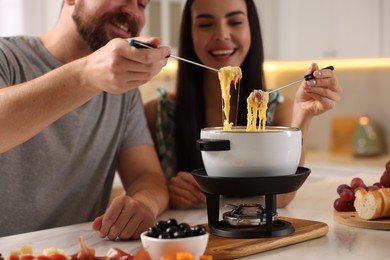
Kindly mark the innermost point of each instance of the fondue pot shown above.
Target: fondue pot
(275, 151)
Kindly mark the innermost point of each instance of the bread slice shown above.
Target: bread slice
(386, 201)
(368, 204)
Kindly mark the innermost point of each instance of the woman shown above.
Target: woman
(223, 35)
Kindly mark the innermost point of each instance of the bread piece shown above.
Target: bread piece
(372, 204)
(386, 201)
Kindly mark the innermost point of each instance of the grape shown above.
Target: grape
(340, 205)
(346, 195)
(388, 166)
(341, 187)
(372, 187)
(378, 184)
(346, 199)
(351, 206)
(357, 183)
(385, 180)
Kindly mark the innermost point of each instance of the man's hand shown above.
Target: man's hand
(118, 67)
(126, 218)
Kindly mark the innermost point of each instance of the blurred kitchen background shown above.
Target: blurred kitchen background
(351, 35)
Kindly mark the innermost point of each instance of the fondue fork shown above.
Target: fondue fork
(306, 77)
(139, 44)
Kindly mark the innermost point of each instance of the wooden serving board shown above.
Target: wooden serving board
(232, 248)
(351, 218)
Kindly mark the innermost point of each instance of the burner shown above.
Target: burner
(248, 214)
(249, 220)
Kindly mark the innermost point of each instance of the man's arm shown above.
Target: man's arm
(146, 195)
(28, 108)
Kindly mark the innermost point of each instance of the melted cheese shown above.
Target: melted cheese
(227, 76)
(257, 108)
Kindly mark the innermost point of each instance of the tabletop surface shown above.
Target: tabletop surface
(314, 201)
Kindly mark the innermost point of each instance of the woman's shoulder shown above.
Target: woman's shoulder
(165, 99)
(167, 96)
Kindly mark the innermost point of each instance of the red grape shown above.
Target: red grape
(351, 206)
(340, 205)
(341, 187)
(385, 180)
(357, 183)
(346, 195)
(388, 166)
(378, 184)
(347, 192)
(373, 187)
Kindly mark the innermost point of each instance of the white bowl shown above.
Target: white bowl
(168, 247)
(276, 151)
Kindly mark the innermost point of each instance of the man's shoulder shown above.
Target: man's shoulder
(17, 46)
(19, 42)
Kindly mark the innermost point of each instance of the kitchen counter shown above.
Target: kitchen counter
(314, 201)
(343, 160)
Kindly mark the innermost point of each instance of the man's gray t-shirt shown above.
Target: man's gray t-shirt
(64, 174)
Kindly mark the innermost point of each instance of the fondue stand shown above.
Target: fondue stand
(248, 220)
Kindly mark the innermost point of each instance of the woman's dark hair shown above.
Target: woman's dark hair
(190, 111)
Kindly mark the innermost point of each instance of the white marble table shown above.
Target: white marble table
(314, 201)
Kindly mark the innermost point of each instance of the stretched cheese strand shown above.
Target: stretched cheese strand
(257, 108)
(227, 75)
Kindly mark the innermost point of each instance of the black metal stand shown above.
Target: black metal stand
(270, 229)
(214, 187)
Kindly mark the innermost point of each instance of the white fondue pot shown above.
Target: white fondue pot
(276, 151)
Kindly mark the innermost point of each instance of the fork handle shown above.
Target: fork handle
(311, 76)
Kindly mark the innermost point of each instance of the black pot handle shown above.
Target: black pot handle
(213, 145)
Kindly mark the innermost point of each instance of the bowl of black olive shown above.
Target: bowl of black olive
(169, 237)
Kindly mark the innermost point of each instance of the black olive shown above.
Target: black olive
(178, 234)
(164, 235)
(183, 226)
(162, 225)
(188, 232)
(172, 230)
(199, 230)
(153, 232)
(172, 222)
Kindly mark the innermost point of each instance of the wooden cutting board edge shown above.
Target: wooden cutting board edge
(350, 218)
(232, 248)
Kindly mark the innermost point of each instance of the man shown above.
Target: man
(70, 116)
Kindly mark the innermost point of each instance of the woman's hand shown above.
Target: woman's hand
(185, 192)
(320, 94)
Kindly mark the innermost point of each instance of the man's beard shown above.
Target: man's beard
(92, 30)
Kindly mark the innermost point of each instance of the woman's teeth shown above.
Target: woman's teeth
(221, 53)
